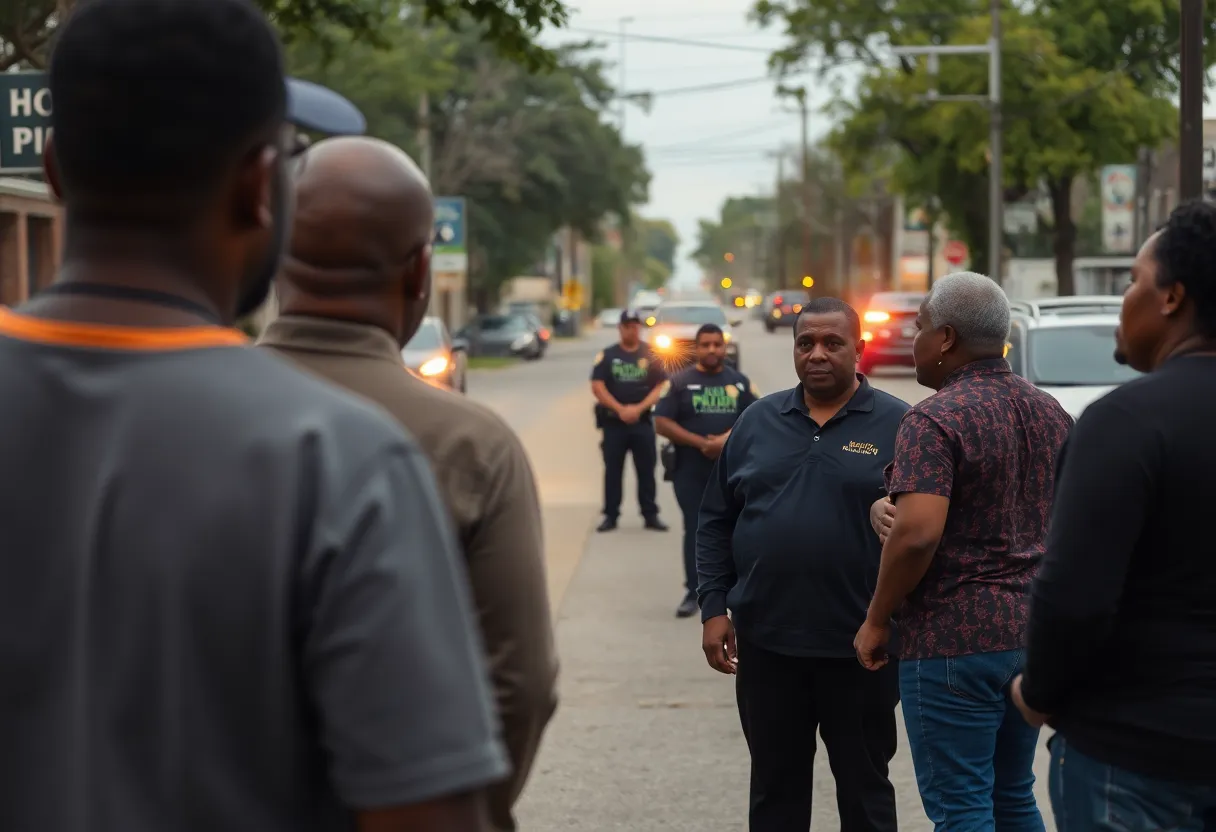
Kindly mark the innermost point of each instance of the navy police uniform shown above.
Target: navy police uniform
(706, 404)
(630, 376)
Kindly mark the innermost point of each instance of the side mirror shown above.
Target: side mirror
(736, 322)
(460, 344)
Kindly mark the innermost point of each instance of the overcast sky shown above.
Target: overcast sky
(701, 147)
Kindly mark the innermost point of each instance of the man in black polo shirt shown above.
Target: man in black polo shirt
(697, 410)
(1121, 647)
(785, 542)
(627, 380)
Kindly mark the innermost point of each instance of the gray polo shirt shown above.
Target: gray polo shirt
(229, 599)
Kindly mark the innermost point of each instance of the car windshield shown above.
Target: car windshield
(692, 315)
(503, 323)
(1076, 356)
(427, 337)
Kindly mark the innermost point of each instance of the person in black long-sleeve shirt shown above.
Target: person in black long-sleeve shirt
(1121, 644)
(785, 541)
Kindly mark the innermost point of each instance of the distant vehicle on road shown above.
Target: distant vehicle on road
(1070, 356)
(888, 326)
(609, 317)
(542, 332)
(781, 308)
(435, 356)
(503, 336)
(645, 303)
(674, 333)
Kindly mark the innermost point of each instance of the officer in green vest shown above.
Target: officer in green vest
(626, 380)
(696, 412)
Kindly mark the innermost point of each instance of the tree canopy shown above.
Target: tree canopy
(510, 25)
(1085, 83)
(530, 151)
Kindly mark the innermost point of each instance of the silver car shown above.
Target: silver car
(1071, 356)
(433, 355)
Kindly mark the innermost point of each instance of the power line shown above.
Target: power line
(721, 85)
(674, 41)
(700, 142)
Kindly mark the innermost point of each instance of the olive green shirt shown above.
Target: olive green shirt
(487, 483)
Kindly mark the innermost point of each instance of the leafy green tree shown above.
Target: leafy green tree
(1084, 84)
(26, 26)
(530, 151)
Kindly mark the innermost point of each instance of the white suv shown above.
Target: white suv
(1068, 350)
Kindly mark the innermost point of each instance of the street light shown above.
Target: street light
(996, 193)
(726, 283)
(808, 281)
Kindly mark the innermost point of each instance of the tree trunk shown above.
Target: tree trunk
(1064, 240)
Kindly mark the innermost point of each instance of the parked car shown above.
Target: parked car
(502, 336)
(782, 308)
(674, 333)
(435, 356)
(608, 318)
(1070, 356)
(888, 327)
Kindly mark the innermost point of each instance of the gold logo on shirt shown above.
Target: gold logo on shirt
(732, 391)
(643, 363)
(860, 448)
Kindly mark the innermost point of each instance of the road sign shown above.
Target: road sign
(450, 243)
(25, 121)
(955, 252)
(1118, 208)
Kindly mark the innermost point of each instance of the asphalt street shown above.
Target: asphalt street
(646, 736)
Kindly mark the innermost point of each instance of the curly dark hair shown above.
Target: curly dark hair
(1185, 252)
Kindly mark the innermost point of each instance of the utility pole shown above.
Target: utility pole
(425, 161)
(779, 233)
(1190, 110)
(996, 171)
(996, 189)
(625, 21)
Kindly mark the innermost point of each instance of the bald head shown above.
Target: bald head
(363, 209)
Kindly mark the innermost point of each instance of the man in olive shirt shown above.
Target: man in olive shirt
(352, 292)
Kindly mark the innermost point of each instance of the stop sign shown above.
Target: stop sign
(955, 252)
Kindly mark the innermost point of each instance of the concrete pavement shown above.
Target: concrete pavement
(647, 736)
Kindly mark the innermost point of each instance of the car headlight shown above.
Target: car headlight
(434, 366)
(663, 342)
(522, 341)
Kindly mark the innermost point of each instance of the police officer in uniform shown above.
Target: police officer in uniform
(696, 412)
(627, 380)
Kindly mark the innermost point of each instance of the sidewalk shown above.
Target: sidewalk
(647, 736)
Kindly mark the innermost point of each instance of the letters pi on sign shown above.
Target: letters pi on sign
(25, 120)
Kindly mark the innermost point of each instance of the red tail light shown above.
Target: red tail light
(777, 301)
(544, 334)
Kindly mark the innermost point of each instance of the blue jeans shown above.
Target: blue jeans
(1089, 795)
(973, 752)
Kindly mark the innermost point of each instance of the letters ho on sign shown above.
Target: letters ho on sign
(25, 121)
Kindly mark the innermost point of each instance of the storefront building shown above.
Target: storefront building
(31, 239)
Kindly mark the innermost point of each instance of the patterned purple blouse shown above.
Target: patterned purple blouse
(988, 440)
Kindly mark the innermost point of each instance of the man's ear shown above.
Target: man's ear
(1172, 298)
(418, 282)
(252, 194)
(50, 167)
